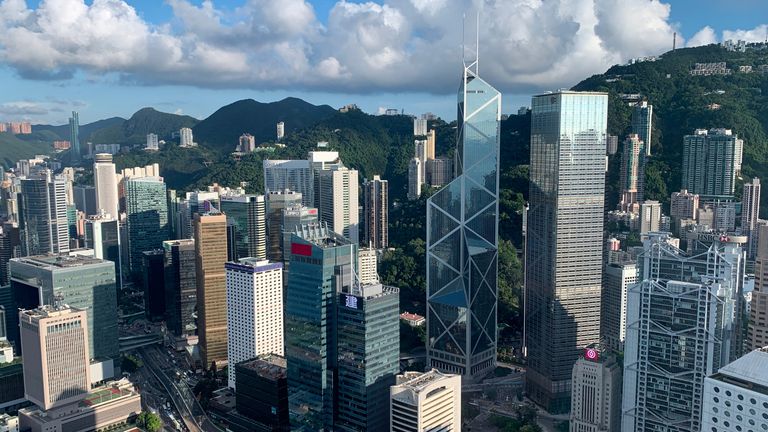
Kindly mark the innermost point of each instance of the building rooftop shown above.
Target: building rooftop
(253, 265)
(271, 366)
(419, 381)
(47, 311)
(411, 316)
(60, 261)
(750, 369)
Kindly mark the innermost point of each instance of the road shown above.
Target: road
(192, 413)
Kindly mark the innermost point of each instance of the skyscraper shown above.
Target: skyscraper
(425, 401)
(45, 228)
(414, 178)
(750, 212)
(294, 175)
(280, 130)
(596, 392)
(632, 172)
(618, 278)
(684, 205)
(85, 199)
(105, 181)
(152, 142)
(294, 217)
(147, 216)
(153, 282)
(82, 282)
(254, 311)
(211, 255)
(368, 351)
(431, 139)
(277, 202)
(367, 266)
(683, 323)
(419, 126)
(247, 221)
(376, 211)
(322, 265)
(102, 234)
(711, 162)
(180, 286)
(337, 200)
(564, 241)
(55, 345)
(462, 241)
(74, 136)
(642, 121)
(650, 216)
(757, 332)
(185, 138)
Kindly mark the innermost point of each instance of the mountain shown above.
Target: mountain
(62, 132)
(16, 147)
(221, 130)
(143, 122)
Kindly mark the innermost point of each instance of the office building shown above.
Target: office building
(153, 144)
(153, 282)
(180, 286)
(280, 130)
(367, 266)
(564, 240)
(277, 202)
(102, 234)
(74, 137)
(294, 217)
(425, 401)
(650, 216)
(12, 384)
(750, 212)
(246, 143)
(54, 340)
(683, 324)
(45, 228)
(262, 396)
(419, 127)
(293, 175)
(420, 152)
(9, 423)
(596, 392)
(618, 278)
(254, 311)
(85, 199)
(439, 171)
(337, 200)
(757, 331)
(632, 172)
(376, 213)
(322, 264)
(431, 140)
(711, 162)
(462, 242)
(414, 178)
(641, 124)
(736, 397)
(246, 225)
(147, 217)
(684, 205)
(211, 255)
(613, 145)
(82, 282)
(185, 138)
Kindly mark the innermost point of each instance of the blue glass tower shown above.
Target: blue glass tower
(462, 241)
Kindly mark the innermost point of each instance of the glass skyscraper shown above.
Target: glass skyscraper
(147, 214)
(246, 226)
(564, 241)
(462, 241)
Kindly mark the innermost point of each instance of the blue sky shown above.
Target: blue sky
(111, 57)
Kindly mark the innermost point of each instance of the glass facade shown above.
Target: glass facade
(564, 241)
(322, 264)
(147, 214)
(180, 286)
(462, 242)
(247, 226)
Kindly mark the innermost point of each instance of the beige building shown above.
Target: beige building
(431, 139)
(684, 205)
(210, 256)
(650, 216)
(54, 341)
(9, 423)
(596, 393)
(366, 266)
(424, 402)
(338, 200)
(757, 332)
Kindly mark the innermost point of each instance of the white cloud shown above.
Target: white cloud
(705, 36)
(387, 45)
(757, 34)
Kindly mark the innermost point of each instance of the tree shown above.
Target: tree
(131, 363)
(149, 421)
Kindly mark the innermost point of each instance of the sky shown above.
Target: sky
(108, 58)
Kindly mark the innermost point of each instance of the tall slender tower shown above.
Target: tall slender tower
(74, 136)
(642, 121)
(105, 181)
(211, 255)
(462, 241)
(376, 213)
(750, 211)
(564, 241)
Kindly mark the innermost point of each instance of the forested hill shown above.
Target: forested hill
(682, 103)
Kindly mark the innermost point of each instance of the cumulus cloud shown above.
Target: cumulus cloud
(26, 109)
(757, 34)
(705, 36)
(386, 45)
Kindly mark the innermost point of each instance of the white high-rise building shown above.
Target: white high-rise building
(420, 127)
(736, 397)
(338, 201)
(596, 392)
(425, 402)
(366, 266)
(420, 151)
(618, 278)
(650, 216)
(105, 181)
(152, 142)
(280, 130)
(414, 178)
(254, 311)
(185, 138)
(293, 175)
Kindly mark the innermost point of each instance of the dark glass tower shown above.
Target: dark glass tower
(246, 225)
(462, 241)
(147, 214)
(180, 286)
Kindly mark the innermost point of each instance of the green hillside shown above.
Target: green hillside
(143, 122)
(683, 103)
(15, 147)
(61, 132)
